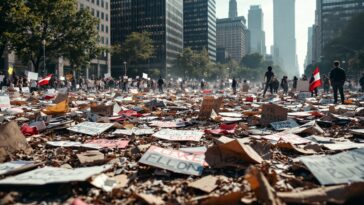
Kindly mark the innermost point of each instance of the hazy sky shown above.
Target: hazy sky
(305, 17)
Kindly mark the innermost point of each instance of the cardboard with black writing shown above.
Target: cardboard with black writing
(206, 108)
(103, 110)
(340, 168)
(12, 139)
(273, 113)
(173, 160)
(232, 154)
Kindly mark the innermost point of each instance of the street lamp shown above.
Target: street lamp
(125, 68)
(44, 58)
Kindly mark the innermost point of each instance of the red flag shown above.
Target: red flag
(45, 81)
(317, 80)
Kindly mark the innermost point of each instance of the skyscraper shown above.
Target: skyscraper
(162, 19)
(233, 35)
(199, 19)
(233, 9)
(284, 52)
(332, 16)
(308, 59)
(257, 34)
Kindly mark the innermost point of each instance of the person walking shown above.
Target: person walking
(268, 81)
(234, 85)
(361, 82)
(160, 84)
(337, 79)
(295, 82)
(284, 84)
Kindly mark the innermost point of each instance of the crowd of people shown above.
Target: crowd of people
(336, 80)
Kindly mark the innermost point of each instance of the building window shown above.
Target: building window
(98, 2)
(102, 15)
(107, 17)
(102, 27)
(107, 29)
(107, 5)
(102, 3)
(97, 14)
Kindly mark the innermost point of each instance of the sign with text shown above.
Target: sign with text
(284, 125)
(273, 113)
(91, 128)
(340, 168)
(32, 76)
(4, 102)
(179, 135)
(111, 144)
(303, 86)
(173, 160)
(302, 96)
(286, 137)
(51, 175)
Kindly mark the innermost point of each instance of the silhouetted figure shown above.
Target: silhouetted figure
(284, 84)
(361, 82)
(295, 82)
(268, 80)
(326, 82)
(160, 84)
(234, 85)
(338, 78)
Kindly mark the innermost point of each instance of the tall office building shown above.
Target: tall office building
(257, 34)
(233, 35)
(284, 52)
(199, 32)
(163, 19)
(308, 59)
(233, 9)
(332, 16)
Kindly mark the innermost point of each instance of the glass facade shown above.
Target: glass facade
(163, 19)
(200, 26)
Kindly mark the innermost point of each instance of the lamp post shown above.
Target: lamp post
(44, 58)
(125, 68)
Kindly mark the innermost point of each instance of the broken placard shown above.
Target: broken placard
(206, 184)
(52, 175)
(4, 102)
(208, 104)
(286, 137)
(168, 124)
(16, 167)
(179, 135)
(340, 168)
(111, 144)
(12, 139)
(135, 131)
(90, 157)
(91, 128)
(103, 110)
(284, 124)
(302, 96)
(232, 154)
(173, 160)
(303, 86)
(273, 113)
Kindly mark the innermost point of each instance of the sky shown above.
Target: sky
(305, 17)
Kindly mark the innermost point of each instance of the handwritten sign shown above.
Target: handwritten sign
(51, 175)
(111, 144)
(273, 113)
(91, 128)
(32, 76)
(4, 102)
(284, 124)
(179, 135)
(341, 168)
(286, 137)
(208, 104)
(173, 160)
(134, 131)
(167, 124)
(103, 110)
(303, 86)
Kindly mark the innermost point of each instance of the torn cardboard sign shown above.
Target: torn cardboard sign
(234, 154)
(134, 131)
(103, 110)
(284, 125)
(273, 113)
(111, 144)
(173, 160)
(286, 137)
(179, 135)
(4, 102)
(209, 103)
(16, 167)
(12, 139)
(346, 167)
(91, 128)
(206, 184)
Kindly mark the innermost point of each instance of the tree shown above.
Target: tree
(58, 24)
(252, 60)
(13, 13)
(137, 47)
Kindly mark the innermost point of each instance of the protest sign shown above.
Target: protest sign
(173, 160)
(286, 137)
(282, 125)
(194, 150)
(16, 167)
(303, 86)
(25, 90)
(135, 131)
(51, 175)
(273, 113)
(167, 124)
(207, 106)
(232, 154)
(12, 139)
(111, 144)
(2, 78)
(103, 110)
(340, 168)
(72, 144)
(91, 128)
(32, 76)
(145, 76)
(4, 102)
(179, 135)
(107, 75)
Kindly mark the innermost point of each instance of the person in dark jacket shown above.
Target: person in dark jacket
(315, 91)
(160, 84)
(268, 80)
(234, 85)
(284, 84)
(361, 82)
(338, 78)
(295, 82)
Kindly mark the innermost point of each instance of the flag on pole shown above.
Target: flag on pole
(45, 81)
(317, 80)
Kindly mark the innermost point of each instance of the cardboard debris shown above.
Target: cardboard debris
(151, 199)
(91, 157)
(134, 131)
(91, 128)
(273, 113)
(14, 167)
(111, 144)
(206, 184)
(179, 135)
(103, 110)
(284, 125)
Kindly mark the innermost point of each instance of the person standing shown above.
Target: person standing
(268, 80)
(326, 84)
(295, 82)
(361, 82)
(338, 78)
(314, 91)
(160, 84)
(284, 84)
(234, 85)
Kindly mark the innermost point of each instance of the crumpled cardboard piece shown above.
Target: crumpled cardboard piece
(206, 184)
(58, 109)
(233, 153)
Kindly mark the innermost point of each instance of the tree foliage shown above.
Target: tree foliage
(254, 60)
(63, 27)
